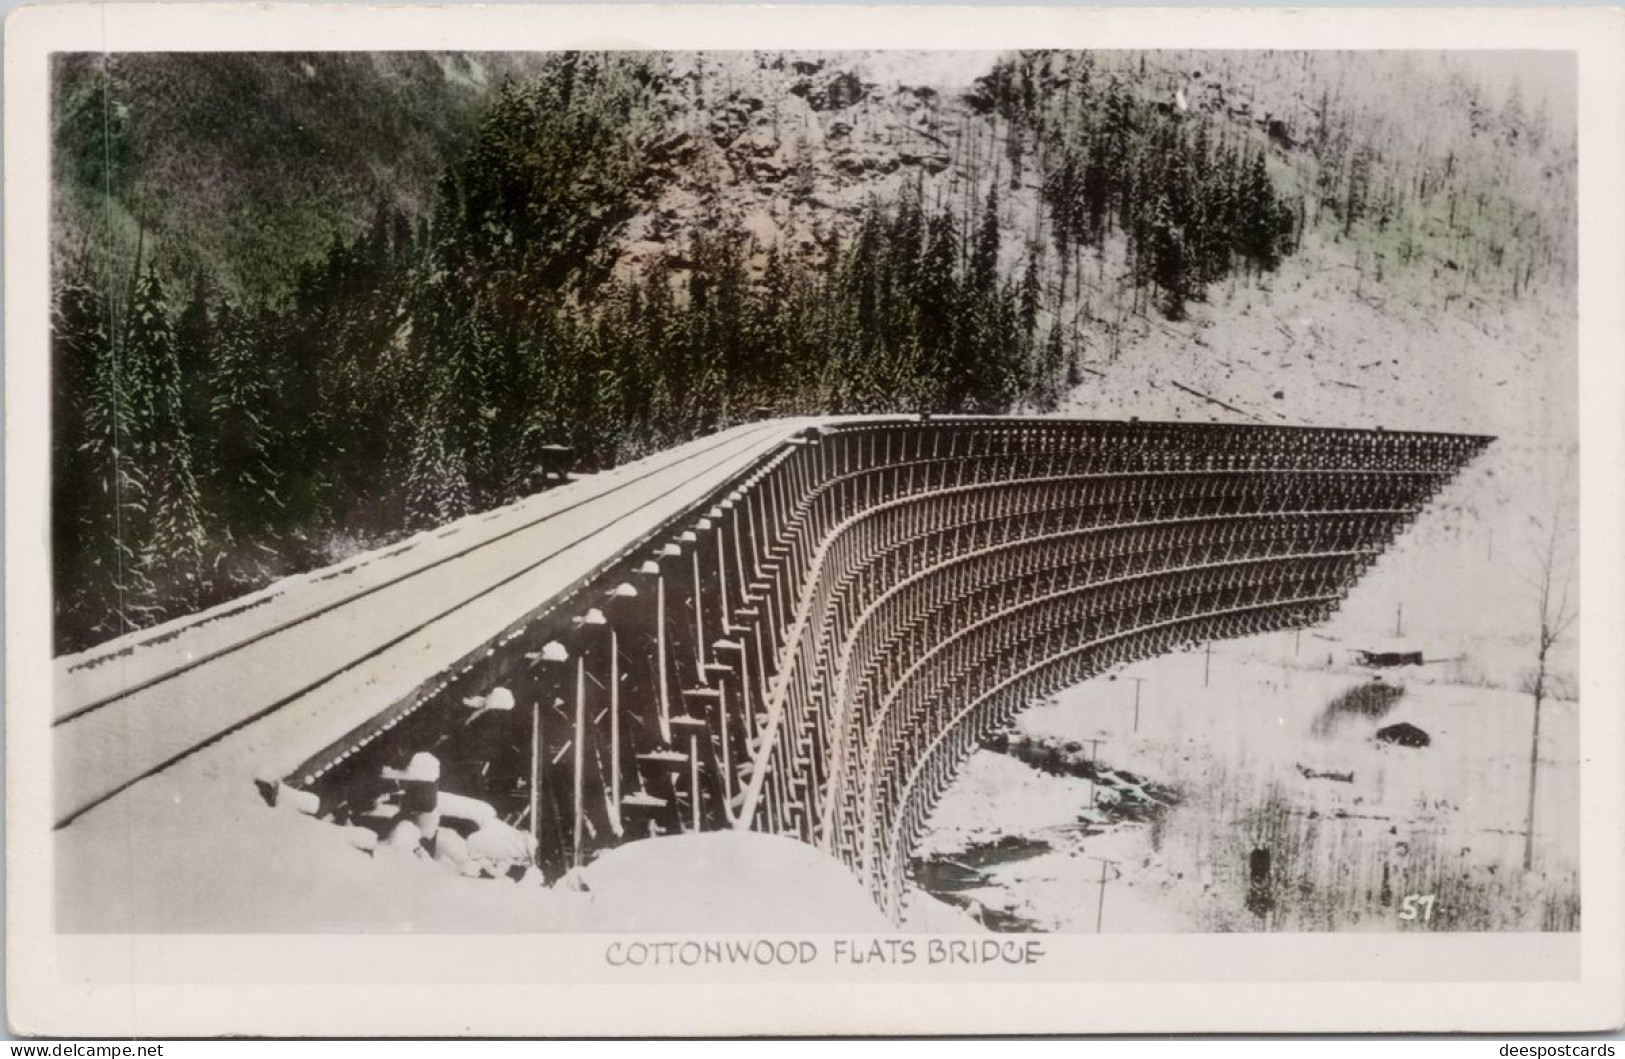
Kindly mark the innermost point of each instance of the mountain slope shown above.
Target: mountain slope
(247, 166)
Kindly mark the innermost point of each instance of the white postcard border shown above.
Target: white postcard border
(305, 985)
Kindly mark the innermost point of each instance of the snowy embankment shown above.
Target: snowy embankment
(281, 871)
(1353, 825)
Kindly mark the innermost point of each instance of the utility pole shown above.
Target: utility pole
(1094, 757)
(1297, 643)
(1399, 620)
(1207, 665)
(536, 780)
(1100, 906)
(1137, 682)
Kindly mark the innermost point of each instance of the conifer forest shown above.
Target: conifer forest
(305, 305)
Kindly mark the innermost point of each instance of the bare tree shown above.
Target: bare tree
(1554, 583)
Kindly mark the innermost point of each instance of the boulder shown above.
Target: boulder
(839, 92)
(1404, 734)
(932, 163)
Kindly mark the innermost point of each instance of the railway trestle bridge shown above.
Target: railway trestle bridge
(807, 638)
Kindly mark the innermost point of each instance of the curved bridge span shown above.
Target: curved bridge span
(804, 628)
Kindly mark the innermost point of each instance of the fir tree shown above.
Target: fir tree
(93, 485)
(984, 264)
(243, 482)
(169, 539)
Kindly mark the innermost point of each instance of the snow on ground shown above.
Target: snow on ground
(726, 881)
(924, 914)
(189, 856)
(995, 795)
(1257, 756)
(1342, 349)
(1319, 343)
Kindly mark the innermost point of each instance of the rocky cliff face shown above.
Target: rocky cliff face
(790, 148)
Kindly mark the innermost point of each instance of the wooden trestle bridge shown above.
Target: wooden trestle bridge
(799, 626)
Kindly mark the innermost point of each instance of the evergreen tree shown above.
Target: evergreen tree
(984, 264)
(1261, 218)
(169, 539)
(194, 341)
(437, 483)
(243, 482)
(1031, 292)
(1053, 365)
(93, 485)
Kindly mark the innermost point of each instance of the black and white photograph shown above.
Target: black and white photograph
(1015, 494)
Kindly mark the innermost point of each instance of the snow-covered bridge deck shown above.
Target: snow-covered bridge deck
(337, 642)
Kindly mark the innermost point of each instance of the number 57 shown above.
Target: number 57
(1416, 906)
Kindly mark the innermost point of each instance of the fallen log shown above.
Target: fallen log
(1214, 400)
